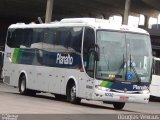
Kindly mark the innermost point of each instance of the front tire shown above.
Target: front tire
(71, 94)
(118, 105)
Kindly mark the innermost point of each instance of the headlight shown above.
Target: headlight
(102, 88)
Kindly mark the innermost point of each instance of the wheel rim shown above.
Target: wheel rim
(22, 86)
(73, 92)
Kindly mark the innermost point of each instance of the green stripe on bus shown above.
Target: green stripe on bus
(106, 84)
(16, 55)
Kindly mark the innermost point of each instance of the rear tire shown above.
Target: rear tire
(118, 105)
(71, 94)
(22, 87)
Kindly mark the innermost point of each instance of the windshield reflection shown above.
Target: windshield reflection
(124, 56)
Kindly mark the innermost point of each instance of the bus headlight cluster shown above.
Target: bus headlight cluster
(102, 88)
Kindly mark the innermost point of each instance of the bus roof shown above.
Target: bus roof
(91, 22)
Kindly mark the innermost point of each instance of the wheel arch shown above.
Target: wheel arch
(70, 81)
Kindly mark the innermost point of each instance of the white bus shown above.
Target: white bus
(80, 58)
(155, 83)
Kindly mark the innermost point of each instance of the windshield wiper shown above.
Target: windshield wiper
(122, 65)
(134, 70)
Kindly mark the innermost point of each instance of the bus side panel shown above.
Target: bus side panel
(45, 77)
(13, 68)
(8, 67)
(79, 79)
(60, 77)
(56, 78)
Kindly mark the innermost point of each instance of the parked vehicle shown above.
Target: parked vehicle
(155, 83)
(80, 58)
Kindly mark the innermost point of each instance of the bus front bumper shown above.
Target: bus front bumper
(121, 97)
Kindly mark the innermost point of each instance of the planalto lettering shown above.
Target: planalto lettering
(140, 87)
(67, 59)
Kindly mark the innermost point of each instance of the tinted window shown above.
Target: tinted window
(88, 56)
(63, 36)
(13, 38)
(63, 39)
(36, 37)
(89, 39)
(76, 38)
(47, 38)
(28, 37)
(19, 38)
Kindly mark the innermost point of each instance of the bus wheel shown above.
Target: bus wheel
(118, 105)
(71, 94)
(22, 85)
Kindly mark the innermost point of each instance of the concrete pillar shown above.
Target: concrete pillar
(126, 12)
(146, 22)
(49, 9)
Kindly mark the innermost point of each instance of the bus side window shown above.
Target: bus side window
(36, 37)
(88, 55)
(13, 40)
(50, 41)
(27, 38)
(63, 37)
(76, 39)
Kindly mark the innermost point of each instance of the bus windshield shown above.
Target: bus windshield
(124, 56)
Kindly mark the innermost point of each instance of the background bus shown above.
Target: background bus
(80, 58)
(155, 83)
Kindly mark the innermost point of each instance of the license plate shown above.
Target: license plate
(123, 98)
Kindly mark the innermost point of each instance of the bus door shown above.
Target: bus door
(90, 77)
(89, 60)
